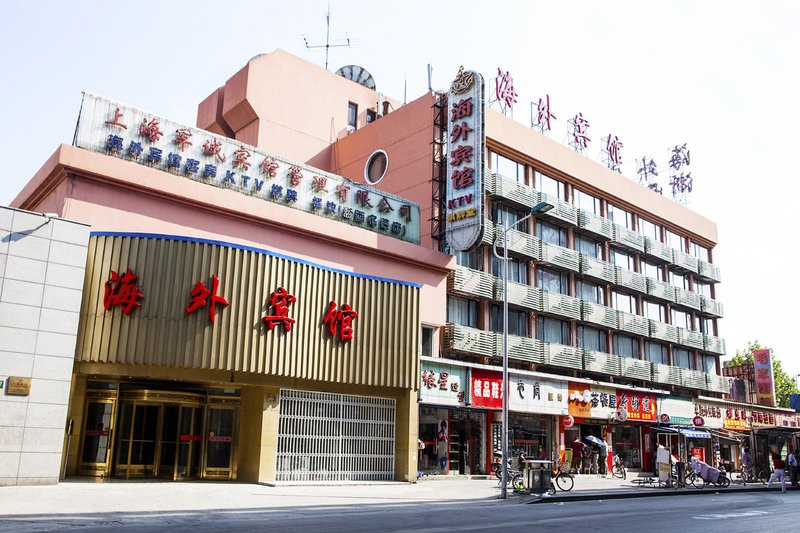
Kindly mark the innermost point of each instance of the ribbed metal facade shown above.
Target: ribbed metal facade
(383, 351)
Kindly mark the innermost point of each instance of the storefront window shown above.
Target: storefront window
(626, 445)
(434, 432)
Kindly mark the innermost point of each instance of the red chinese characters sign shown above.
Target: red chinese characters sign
(200, 295)
(765, 383)
(641, 406)
(122, 291)
(486, 388)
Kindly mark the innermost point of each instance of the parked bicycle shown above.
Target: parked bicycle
(618, 467)
(561, 478)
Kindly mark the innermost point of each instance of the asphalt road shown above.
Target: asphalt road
(747, 512)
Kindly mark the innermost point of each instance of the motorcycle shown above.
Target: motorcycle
(497, 463)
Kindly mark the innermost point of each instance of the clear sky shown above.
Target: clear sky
(721, 76)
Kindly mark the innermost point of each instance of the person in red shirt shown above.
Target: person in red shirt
(779, 473)
(577, 454)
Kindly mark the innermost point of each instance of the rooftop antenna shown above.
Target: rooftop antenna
(327, 46)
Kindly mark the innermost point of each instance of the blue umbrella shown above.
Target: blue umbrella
(593, 439)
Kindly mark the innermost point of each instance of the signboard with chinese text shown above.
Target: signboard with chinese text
(529, 394)
(591, 401)
(486, 388)
(442, 384)
(699, 453)
(131, 134)
(711, 413)
(765, 380)
(680, 411)
(641, 406)
(466, 140)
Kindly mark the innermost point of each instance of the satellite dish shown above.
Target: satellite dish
(357, 74)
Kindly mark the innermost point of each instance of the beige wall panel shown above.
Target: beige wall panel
(383, 351)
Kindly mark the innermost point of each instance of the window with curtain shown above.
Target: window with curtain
(652, 270)
(587, 202)
(626, 346)
(552, 330)
(675, 240)
(621, 259)
(427, 341)
(648, 229)
(623, 302)
(678, 280)
(706, 325)
(517, 269)
(701, 252)
(551, 233)
(552, 280)
(471, 259)
(591, 292)
(551, 186)
(656, 353)
(592, 339)
(508, 168)
(681, 319)
(654, 311)
(620, 216)
(517, 321)
(681, 358)
(502, 214)
(588, 246)
(703, 289)
(462, 311)
(709, 364)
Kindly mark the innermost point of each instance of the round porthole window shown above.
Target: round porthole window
(376, 167)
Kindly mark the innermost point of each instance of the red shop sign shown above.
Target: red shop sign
(486, 388)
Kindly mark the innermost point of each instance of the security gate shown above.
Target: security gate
(335, 437)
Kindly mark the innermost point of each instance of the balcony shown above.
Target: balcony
(520, 294)
(522, 349)
(561, 211)
(631, 280)
(458, 338)
(671, 375)
(595, 268)
(663, 332)
(692, 339)
(472, 283)
(713, 344)
(520, 242)
(636, 368)
(635, 324)
(687, 298)
(626, 238)
(684, 261)
(717, 383)
(693, 379)
(489, 180)
(560, 256)
(707, 272)
(601, 363)
(562, 355)
(561, 305)
(488, 230)
(598, 314)
(509, 189)
(710, 307)
(594, 224)
(657, 249)
(660, 290)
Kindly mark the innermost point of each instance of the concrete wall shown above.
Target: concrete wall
(42, 262)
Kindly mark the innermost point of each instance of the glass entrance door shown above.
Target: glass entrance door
(137, 440)
(219, 443)
(96, 438)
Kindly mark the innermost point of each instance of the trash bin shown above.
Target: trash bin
(680, 471)
(537, 476)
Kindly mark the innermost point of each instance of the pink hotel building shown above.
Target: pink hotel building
(270, 295)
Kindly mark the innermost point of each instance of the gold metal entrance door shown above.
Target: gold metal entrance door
(181, 442)
(97, 436)
(220, 457)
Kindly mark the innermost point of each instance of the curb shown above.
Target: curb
(645, 493)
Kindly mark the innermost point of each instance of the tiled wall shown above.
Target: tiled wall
(42, 263)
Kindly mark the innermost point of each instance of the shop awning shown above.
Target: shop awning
(728, 434)
(695, 434)
(777, 430)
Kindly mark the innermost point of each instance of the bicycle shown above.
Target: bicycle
(562, 479)
(618, 468)
(694, 479)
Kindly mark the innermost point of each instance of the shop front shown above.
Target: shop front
(591, 410)
(631, 437)
(680, 431)
(535, 405)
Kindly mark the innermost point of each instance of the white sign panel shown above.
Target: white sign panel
(536, 395)
(133, 135)
(466, 141)
(442, 384)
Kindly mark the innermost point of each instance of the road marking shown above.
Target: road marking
(729, 515)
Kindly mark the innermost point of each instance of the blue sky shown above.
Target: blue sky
(719, 75)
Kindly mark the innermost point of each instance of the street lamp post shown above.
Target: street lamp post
(541, 207)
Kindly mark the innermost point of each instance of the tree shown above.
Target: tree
(785, 384)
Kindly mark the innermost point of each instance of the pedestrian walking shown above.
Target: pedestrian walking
(779, 473)
(791, 461)
(603, 458)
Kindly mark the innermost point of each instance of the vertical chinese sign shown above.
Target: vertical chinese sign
(466, 142)
(765, 380)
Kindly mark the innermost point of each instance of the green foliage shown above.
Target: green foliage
(785, 385)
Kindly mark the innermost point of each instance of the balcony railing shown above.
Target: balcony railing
(635, 324)
(595, 224)
(693, 379)
(601, 363)
(660, 290)
(562, 355)
(710, 307)
(687, 298)
(636, 368)
(663, 332)
(488, 231)
(692, 339)
(520, 242)
(561, 305)
(458, 338)
(707, 271)
(598, 314)
(631, 280)
(657, 249)
(595, 268)
(684, 261)
(520, 294)
(560, 256)
(561, 210)
(714, 344)
(521, 349)
(511, 190)
(626, 238)
(670, 375)
(467, 282)
(717, 383)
